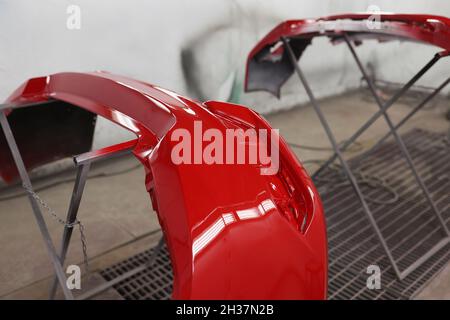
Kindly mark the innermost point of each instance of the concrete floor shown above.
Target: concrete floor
(116, 210)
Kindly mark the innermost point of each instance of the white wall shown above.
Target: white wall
(195, 47)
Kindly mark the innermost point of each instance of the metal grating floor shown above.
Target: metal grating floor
(151, 284)
(407, 223)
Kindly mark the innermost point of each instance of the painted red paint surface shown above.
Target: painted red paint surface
(428, 29)
(232, 233)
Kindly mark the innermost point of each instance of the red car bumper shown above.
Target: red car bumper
(232, 233)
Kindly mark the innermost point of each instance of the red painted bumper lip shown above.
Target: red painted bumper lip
(227, 227)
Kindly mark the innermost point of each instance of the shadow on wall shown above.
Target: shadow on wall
(209, 64)
(213, 60)
(197, 48)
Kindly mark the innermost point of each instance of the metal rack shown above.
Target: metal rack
(83, 164)
(383, 107)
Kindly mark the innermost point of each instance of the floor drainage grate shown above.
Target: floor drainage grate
(408, 224)
(151, 284)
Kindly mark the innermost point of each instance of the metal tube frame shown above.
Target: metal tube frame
(80, 182)
(338, 150)
(83, 163)
(407, 117)
(105, 286)
(397, 137)
(379, 113)
(57, 264)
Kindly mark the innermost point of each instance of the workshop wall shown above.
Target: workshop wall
(196, 47)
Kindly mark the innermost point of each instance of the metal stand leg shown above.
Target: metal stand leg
(397, 137)
(338, 152)
(408, 116)
(105, 286)
(378, 114)
(77, 193)
(35, 206)
(382, 112)
(83, 162)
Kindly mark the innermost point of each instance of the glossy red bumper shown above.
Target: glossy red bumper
(232, 233)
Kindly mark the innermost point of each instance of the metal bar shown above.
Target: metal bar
(337, 151)
(422, 259)
(77, 193)
(105, 286)
(377, 257)
(379, 166)
(419, 289)
(379, 113)
(381, 217)
(397, 137)
(420, 243)
(385, 214)
(418, 262)
(35, 206)
(366, 253)
(407, 193)
(381, 169)
(435, 248)
(83, 162)
(409, 115)
(108, 152)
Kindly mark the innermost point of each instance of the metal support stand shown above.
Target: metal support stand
(83, 163)
(379, 113)
(382, 112)
(105, 286)
(78, 189)
(57, 265)
(408, 116)
(397, 137)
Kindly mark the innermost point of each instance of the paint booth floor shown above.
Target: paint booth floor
(118, 227)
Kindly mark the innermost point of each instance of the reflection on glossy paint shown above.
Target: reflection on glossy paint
(124, 120)
(267, 205)
(311, 193)
(229, 218)
(127, 85)
(248, 213)
(161, 105)
(176, 97)
(155, 101)
(207, 236)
